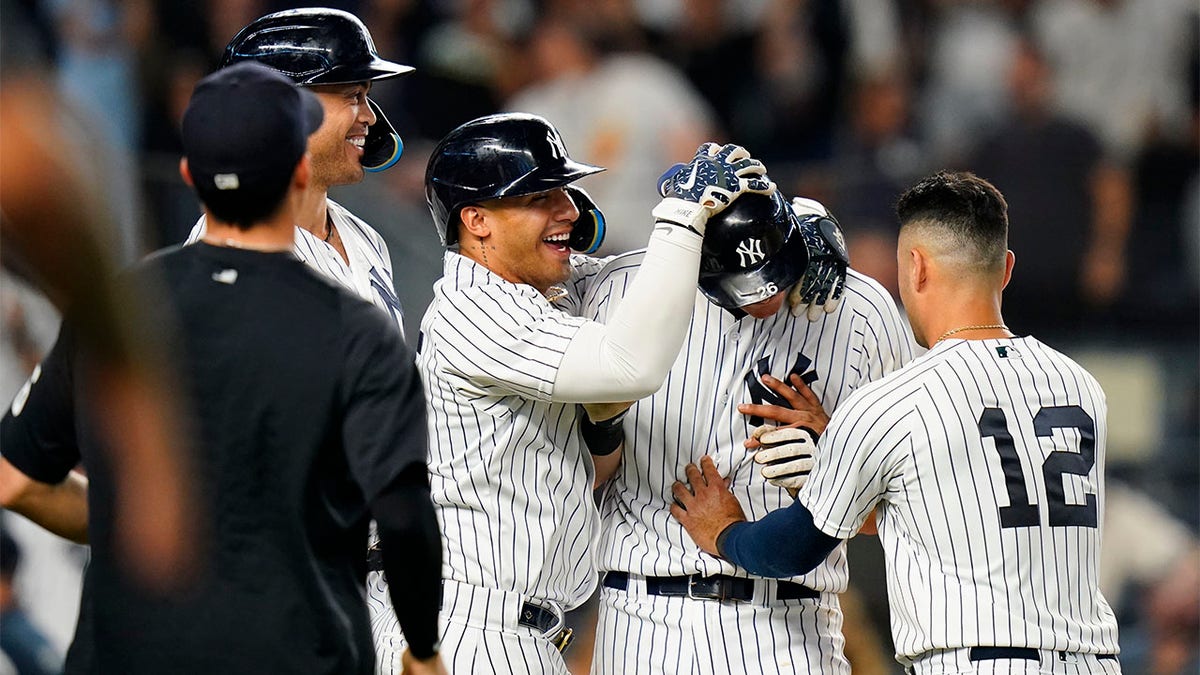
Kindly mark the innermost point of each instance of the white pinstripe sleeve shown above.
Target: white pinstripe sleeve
(861, 455)
(504, 337)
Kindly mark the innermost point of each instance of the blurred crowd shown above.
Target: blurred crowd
(1084, 113)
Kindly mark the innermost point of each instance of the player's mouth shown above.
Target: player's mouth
(358, 142)
(558, 242)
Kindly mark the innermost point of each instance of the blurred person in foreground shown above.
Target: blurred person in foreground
(58, 232)
(306, 417)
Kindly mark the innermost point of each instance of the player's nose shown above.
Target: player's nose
(565, 208)
(366, 114)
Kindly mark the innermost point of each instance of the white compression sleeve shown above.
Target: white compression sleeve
(628, 358)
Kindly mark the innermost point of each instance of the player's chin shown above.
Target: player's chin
(556, 271)
(765, 309)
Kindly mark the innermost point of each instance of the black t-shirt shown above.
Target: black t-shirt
(304, 404)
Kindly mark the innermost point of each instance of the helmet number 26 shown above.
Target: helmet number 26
(767, 290)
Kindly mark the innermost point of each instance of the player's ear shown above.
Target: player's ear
(474, 221)
(184, 172)
(919, 269)
(303, 172)
(1010, 259)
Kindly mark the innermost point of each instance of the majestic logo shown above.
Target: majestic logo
(750, 252)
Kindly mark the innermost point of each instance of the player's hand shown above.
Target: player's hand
(411, 666)
(707, 184)
(704, 505)
(804, 407)
(786, 455)
(820, 289)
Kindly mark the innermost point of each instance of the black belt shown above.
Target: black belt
(542, 620)
(991, 653)
(718, 587)
(533, 616)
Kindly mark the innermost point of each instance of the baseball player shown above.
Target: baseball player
(330, 52)
(305, 416)
(984, 459)
(505, 358)
(666, 607)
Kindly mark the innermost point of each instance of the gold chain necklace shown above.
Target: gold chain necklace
(952, 331)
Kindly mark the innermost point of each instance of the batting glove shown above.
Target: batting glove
(707, 184)
(786, 455)
(820, 289)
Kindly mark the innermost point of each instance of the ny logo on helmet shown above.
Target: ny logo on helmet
(555, 144)
(750, 252)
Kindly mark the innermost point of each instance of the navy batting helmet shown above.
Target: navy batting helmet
(752, 250)
(313, 45)
(506, 155)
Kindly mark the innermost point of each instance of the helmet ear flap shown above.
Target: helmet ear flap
(588, 232)
(383, 145)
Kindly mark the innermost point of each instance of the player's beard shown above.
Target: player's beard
(334, 161)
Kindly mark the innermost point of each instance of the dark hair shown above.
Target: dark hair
(971, 208)
(247, 207)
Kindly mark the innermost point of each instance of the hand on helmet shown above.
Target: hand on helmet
(820, 289)
(707, 184)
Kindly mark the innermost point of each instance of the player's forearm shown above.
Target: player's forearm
(412, 557)
(61, 509)
(783, 544)
(628, 358)
(607, 465)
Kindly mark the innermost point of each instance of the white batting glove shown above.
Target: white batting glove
(819, 291)
(787, 455)
(706, 185)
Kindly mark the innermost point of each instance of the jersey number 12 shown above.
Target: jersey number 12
(1021, 512)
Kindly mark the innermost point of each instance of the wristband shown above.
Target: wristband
(723, 535)
(602, 438)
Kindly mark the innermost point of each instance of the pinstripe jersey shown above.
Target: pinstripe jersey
(509, 474)
(986, 459)
(695, 413)
(369, 273)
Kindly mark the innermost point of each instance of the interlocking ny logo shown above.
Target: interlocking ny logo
(759, 393)
(750, 252)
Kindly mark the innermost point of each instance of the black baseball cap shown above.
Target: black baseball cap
(244, 130)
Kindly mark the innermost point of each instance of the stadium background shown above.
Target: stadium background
(1083, 112)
